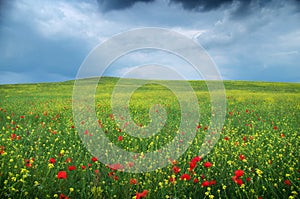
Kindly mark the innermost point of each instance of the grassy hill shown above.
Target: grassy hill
(43, 153)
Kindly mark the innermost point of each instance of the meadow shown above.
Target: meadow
(256, 156)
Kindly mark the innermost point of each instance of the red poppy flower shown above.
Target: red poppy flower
(196, 159)
(242, 157)
(176, 169)
(69, 160)
(94, 159)
(226, 138)
(132, 181)
(120, 138)
(196, 180)
(207, 164)
(141, 195)
(52, 160)
(172, 180)
(13, 136)
(248, 179)
(62, 196)
(116, 166)
(213, 182)
(205, 183)
(287, 182)
(193, 165)
(83, 167)
(2, 149)
(62, 175)
(144, 193)
(28, 165)
(237, 180)
(72, 168)
(185, 177)
(239, 173)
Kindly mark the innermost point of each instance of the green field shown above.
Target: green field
(257, 154)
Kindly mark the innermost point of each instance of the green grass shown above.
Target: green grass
(261, 127)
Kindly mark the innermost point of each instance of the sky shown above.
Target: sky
(47, 41)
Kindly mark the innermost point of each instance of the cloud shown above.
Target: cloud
(244, 46)
(50, 37)
(149, 60)
(67, 20)
(202, 5)
(250, 40)
(108, 5)
(242, 7)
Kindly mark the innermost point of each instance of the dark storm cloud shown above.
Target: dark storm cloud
(203, 4)
(248, 40)
(243, 7)
(107, 5)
